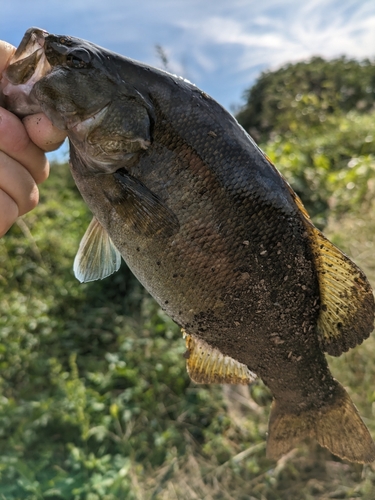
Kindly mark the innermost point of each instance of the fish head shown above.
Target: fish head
(76, 84)
(60, 75)
(77, 87)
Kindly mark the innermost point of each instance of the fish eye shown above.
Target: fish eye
(79, 58)
(65, 40)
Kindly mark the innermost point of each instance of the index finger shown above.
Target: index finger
(15, 142)
(42, 132)
(6, 52)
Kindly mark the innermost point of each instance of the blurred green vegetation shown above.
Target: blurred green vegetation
(306, 94)
(95, 402)
(316, 121)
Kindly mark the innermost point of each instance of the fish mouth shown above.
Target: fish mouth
(27, 66)
(32, 42)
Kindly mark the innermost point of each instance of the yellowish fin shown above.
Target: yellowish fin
(337, 427)
(97, 257)
(297, 200)
(347, 306)
(346, 315)
(207, 365)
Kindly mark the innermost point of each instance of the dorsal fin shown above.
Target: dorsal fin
(347, 306)
(346, 315)
(97, 257)
(207, 365)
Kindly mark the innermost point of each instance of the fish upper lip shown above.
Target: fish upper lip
(26, 67)
(33, 39)
(29, 53)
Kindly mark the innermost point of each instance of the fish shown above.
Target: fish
(212, 230)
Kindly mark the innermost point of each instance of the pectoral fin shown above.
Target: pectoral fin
(97, 257)
(347, 303)
(142, 208)
(207, 365)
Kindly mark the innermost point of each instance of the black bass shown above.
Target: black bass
(211, 229)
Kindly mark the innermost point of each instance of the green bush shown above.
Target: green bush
(331, 168)
(306, 94)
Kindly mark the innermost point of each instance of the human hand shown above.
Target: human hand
(23, 164)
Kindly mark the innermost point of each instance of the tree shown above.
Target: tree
(306, 94)
(315, 121)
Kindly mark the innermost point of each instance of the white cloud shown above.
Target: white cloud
(306, 28)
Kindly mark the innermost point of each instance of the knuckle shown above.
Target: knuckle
(42, 174)
(33, 199)
(29, 202)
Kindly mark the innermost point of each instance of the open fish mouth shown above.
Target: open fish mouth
(27, 66)
(49, 73)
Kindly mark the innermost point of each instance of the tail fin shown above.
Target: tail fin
(337, 427)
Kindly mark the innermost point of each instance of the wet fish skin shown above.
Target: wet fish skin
(210, 228)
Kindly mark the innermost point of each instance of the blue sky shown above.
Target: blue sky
(220, 45)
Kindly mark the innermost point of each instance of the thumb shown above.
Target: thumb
(41, 131)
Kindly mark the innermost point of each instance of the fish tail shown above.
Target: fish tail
(336, 426)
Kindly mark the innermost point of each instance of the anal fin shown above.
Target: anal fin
(207, 365)
(97, 257)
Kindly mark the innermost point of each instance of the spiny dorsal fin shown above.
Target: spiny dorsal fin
(207, 365)
(347, 307)
(297, 199)
(97, 257)
(346, 315)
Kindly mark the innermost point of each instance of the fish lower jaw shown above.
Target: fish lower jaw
(18, 100)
